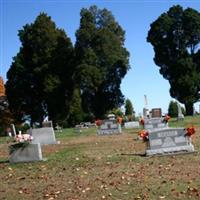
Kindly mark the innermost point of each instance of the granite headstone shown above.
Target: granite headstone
(168, 141)
(132, 124)
(43, 136)
(109, 127)
(154, 123)
(29, 153)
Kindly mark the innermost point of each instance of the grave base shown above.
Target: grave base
(171, 150)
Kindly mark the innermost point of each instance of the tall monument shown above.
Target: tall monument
(145, 109)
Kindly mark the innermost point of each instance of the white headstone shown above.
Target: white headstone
(13, 129)
(180, 114)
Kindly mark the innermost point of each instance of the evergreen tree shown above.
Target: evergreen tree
(128, 107)
(76, 113)
(173, 109)
(101, 61)
(175, 36)
(39, 75)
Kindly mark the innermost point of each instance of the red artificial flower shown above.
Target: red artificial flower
(142, 122)
(98, 122)
(167, 118)
(144, 135)
(190, 131)
(119, 120)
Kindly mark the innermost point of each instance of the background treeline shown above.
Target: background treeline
(69, 83)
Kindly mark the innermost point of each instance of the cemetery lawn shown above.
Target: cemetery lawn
(90, 167)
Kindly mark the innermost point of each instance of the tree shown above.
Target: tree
(76, 113)
(175, 36)
(128, 107)
(101, 61)
(39, 79)
(5, 115)
(173, 109)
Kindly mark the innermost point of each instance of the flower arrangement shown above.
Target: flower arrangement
(166, 119)
(119, 120)
(21, 141)
(142, 122)
(144, 135)
(98, 122)
(190, 131)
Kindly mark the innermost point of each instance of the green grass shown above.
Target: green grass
(71, 132)
(188, 121)
(92, 167)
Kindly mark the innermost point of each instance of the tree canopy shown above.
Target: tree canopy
(50, 77)
(175, 36)
(102, 61)
(128, 107)
(39, 75)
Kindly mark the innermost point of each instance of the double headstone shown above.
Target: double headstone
(168, 141)
(109, 127)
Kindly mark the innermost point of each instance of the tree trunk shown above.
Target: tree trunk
(189, 108)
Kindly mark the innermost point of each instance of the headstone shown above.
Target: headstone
(109, 127)
(154, 124)
(156, 113)
(168, 141)
(13, 130)
(78, 128)
(133, 124)
(47, 124)
(30, 153)
(43, 135)
(89, 124)
(180, 114)
(111, 117)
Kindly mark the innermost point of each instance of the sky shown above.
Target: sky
(135, 17)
